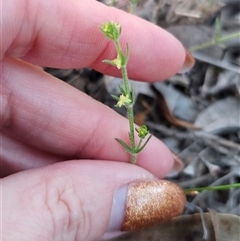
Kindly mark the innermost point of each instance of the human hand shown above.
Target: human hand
(46, 122)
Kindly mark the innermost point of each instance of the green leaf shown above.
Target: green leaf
(126, 147)
(128, 53)
(120, 30)
(115, 97)
(132, 94)
(218, 29)
(213, 188)
(112, 2)
(134, 1)
(141, 148)
(122, 90)
(106, 61)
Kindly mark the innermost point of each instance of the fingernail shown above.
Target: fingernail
(188, 63)
(177, 166)
(142, 204)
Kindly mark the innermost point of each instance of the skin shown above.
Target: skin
(60, 164)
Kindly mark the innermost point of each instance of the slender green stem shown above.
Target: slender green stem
(125, 79)
(233, 35)
(212, 188)
(133, 158)
(132, 136)
(130, 115)
(113, 2)
(113, 31)
(215, 41)
(133, 8)
(133, 5)
(130, 108)
(124, 70)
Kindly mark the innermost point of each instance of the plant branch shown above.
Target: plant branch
(215, 41)
(212, 188)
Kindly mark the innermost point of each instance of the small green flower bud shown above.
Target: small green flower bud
(142, 131)
(111, 30)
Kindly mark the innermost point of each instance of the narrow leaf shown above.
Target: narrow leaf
(122, 90)
(115, 97)
(218, 28)
(132, 94)
(110, 62)
(141, 148)
(127, 54)
(126, 147)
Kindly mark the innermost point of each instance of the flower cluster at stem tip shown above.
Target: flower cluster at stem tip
(142, 131)
(111, 30)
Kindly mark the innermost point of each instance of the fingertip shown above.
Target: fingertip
(144, 203)
(154, 53)
(156, 158)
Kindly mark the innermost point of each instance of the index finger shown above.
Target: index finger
(65, 34)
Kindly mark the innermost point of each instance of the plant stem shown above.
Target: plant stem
(131, 133)
(112, 2)
(215, 41)
(113, 31)
(132, 8)
(129, 113)
(125, 79)
(130, 107)
(212, 188)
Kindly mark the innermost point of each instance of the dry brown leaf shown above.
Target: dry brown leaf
(220, 227)
(226, 226)
(162, 109)
(140, 118)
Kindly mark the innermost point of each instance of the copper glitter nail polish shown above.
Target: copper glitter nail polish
(152, 202)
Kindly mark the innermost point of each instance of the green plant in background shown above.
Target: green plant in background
(112, 2)
(133, 5)
(212, 188)
(112, 30)
(217, 38)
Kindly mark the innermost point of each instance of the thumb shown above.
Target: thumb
(85, 200)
